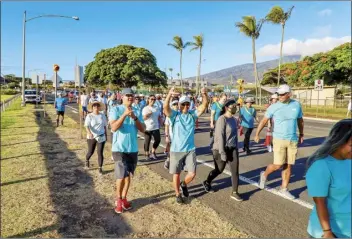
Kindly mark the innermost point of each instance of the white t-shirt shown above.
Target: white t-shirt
(84, 100)
(96, 124)
(168, 122)
(152, 123)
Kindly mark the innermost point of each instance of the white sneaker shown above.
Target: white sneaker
(270, 149)
(286, 194)
(262, 180)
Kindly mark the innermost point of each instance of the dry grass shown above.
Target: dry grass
(46, 192)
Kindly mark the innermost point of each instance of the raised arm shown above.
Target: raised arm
(166, 106)
(201, 109)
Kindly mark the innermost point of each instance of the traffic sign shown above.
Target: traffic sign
(319, 85)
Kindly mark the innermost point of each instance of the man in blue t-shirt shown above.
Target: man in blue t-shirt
(286, 114)
(215, 114)
(247, 116)
(182, 151)
(125, 120)
(60, 103)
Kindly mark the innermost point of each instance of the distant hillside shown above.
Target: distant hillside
(244, 71)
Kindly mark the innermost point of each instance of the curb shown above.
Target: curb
(321, 119)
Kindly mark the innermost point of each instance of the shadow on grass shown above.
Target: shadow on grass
(81, 211)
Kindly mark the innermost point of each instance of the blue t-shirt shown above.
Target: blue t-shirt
(285, 119)
(247, 116)
(125, 138)
(60, 104)
(183, 131)
(217, 107)
(331, 178)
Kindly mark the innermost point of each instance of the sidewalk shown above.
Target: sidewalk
(46, 192)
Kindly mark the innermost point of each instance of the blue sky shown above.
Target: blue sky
(153, 24)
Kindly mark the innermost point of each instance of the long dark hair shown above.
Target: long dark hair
(339, 135)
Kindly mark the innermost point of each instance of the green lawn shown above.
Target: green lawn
(5, 97)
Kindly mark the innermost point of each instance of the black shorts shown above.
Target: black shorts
(125, 163)
(60, 113)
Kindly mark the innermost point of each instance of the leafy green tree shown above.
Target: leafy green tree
(125, 66)
(278, 16)
(251, 28)
(198, 45)
(179, 45)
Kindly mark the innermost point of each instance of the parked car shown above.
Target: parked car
(32, 97)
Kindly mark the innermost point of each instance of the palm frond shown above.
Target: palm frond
(187, 44)
(288, 13)
(173, 45)
(258, 28)
(276, 15)
(244, 29)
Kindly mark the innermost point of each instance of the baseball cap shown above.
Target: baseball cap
(283, 89)
(174, 102)
(184, 99)
(249, 100)
(126, 91)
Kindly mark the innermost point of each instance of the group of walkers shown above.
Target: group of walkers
(328, 173)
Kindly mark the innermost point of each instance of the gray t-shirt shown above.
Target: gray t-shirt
(225, 135)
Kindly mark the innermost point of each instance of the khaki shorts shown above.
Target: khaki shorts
(285, 151)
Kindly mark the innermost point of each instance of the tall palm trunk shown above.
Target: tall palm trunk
(181, 72)
(198, 78)
(255, 70)
(282, 43)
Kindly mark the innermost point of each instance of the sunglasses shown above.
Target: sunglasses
(175, 104)
(283, 94)
(185, 104)
(152, 99)
(129, 95)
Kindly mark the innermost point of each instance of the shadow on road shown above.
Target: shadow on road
(81, 211)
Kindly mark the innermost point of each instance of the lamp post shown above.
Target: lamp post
(25, 20)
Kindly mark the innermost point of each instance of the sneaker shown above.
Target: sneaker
(285, 193)
(248, 151)
(167, 164)
(166, 153)
(207, 187)
(236, 196)
(100, 170)
(179, 199)
(184, 189)
(262, 180)
(62, 122)
(118, 206)
(126, 205)
(148, 158)
(153, 156)
(87, 164)
(270, 149)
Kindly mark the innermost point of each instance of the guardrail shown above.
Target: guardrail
(6, 103)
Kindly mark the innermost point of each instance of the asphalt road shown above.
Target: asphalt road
(263, 213)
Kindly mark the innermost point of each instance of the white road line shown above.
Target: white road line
(253, 183)
(74, 110)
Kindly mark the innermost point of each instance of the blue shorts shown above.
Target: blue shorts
(84, 108)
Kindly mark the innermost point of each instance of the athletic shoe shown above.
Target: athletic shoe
(87, 164)
(100, 170)
(184, 189)
(167, 164)
(286, 194)
(262, 180)
(207, 187)
(236, 196)
(118, 209)
(179, 199)
(153, 156)
(126, 205)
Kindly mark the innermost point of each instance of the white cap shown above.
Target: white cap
(184, 99)
(283, 89)
(141, 95)
(274, 96)
(174, 102)
(249, 100)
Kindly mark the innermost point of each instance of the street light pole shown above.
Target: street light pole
(25, 20)
(24, 59)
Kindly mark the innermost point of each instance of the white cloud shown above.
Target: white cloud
(325, 12)
(303, 48)
(321, 31)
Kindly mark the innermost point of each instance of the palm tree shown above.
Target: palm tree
(278, 16)
(251, 28)
(198, 44)
(170, 69)
(179, 46)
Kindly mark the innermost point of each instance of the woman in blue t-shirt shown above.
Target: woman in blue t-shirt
(329, 183)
